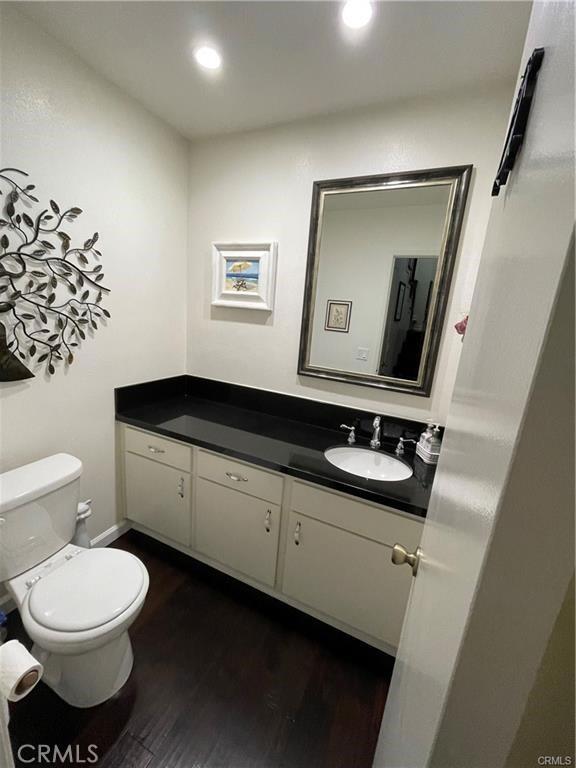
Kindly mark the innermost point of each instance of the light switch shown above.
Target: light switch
(362, 353)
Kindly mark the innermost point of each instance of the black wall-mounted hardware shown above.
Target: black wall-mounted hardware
(519, 121)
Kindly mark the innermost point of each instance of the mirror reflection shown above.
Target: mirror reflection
(379, 265)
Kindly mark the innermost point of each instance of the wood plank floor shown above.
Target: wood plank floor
(224, 677)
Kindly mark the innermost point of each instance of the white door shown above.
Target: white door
(346, 576)
(498, 538)
(237, 530)
(158, 496)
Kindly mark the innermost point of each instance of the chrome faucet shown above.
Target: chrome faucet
(375, 442)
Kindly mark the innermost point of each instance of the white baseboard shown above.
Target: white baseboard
(111, 534)
(102, 540)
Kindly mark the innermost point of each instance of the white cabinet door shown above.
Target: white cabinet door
(158, 496)
(345, 576)
(237, 530)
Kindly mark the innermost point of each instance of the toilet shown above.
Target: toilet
(76, 604)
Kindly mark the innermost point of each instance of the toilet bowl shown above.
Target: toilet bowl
(77, 607)
(76, 604)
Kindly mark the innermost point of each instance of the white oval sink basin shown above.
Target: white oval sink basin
(364, 462)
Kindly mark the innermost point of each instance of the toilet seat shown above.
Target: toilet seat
(91, 589)
(73, 642)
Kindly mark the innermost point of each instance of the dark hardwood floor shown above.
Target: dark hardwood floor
(224, 677)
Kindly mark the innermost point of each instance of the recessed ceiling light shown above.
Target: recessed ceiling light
(208, 57)
(357, 13)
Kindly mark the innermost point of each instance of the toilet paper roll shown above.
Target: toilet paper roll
(19, 671)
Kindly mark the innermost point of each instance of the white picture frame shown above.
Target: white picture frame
(244, 275)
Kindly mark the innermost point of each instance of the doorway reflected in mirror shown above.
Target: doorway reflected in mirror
(407, 317)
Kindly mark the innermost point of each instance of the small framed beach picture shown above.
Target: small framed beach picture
(244, 275)
(338, 316)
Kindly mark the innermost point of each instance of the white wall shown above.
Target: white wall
(547, 725)
(85, 143)
(258, 185)
(356, 261)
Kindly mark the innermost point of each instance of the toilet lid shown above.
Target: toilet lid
(89, 590)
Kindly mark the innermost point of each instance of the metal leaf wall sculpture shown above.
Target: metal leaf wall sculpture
(50, 291)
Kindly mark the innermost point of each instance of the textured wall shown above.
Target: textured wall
(87, 144)
(258, 185)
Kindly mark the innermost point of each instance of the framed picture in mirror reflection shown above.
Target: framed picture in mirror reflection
(338, 316)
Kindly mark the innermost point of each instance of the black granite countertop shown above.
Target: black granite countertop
(207, 414)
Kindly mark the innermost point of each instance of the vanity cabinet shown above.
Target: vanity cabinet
(338, 562)
(324, 552)
(158, 482)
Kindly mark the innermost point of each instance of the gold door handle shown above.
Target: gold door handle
(400, 555)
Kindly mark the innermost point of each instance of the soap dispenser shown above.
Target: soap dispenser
(426, 436)
(428, 447)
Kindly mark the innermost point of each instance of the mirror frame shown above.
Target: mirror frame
(458, 177)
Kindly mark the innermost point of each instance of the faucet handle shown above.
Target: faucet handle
(400, 447)
(352, 433)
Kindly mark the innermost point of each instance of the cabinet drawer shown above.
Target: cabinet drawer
(240, 477)
(158, 496)
(364, 519)
(345, 576)
(237, 530)
(159, 449)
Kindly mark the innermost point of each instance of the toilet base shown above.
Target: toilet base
(91, 678)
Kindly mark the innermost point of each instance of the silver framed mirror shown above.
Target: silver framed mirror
(381, 255)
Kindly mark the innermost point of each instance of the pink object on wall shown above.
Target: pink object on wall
(461, 327)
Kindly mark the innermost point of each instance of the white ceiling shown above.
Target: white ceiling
(285, 60)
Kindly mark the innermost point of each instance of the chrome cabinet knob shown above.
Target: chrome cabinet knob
(297, 534)
(400, 556)
(236, 478)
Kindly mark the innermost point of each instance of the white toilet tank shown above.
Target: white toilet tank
(38, 506)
